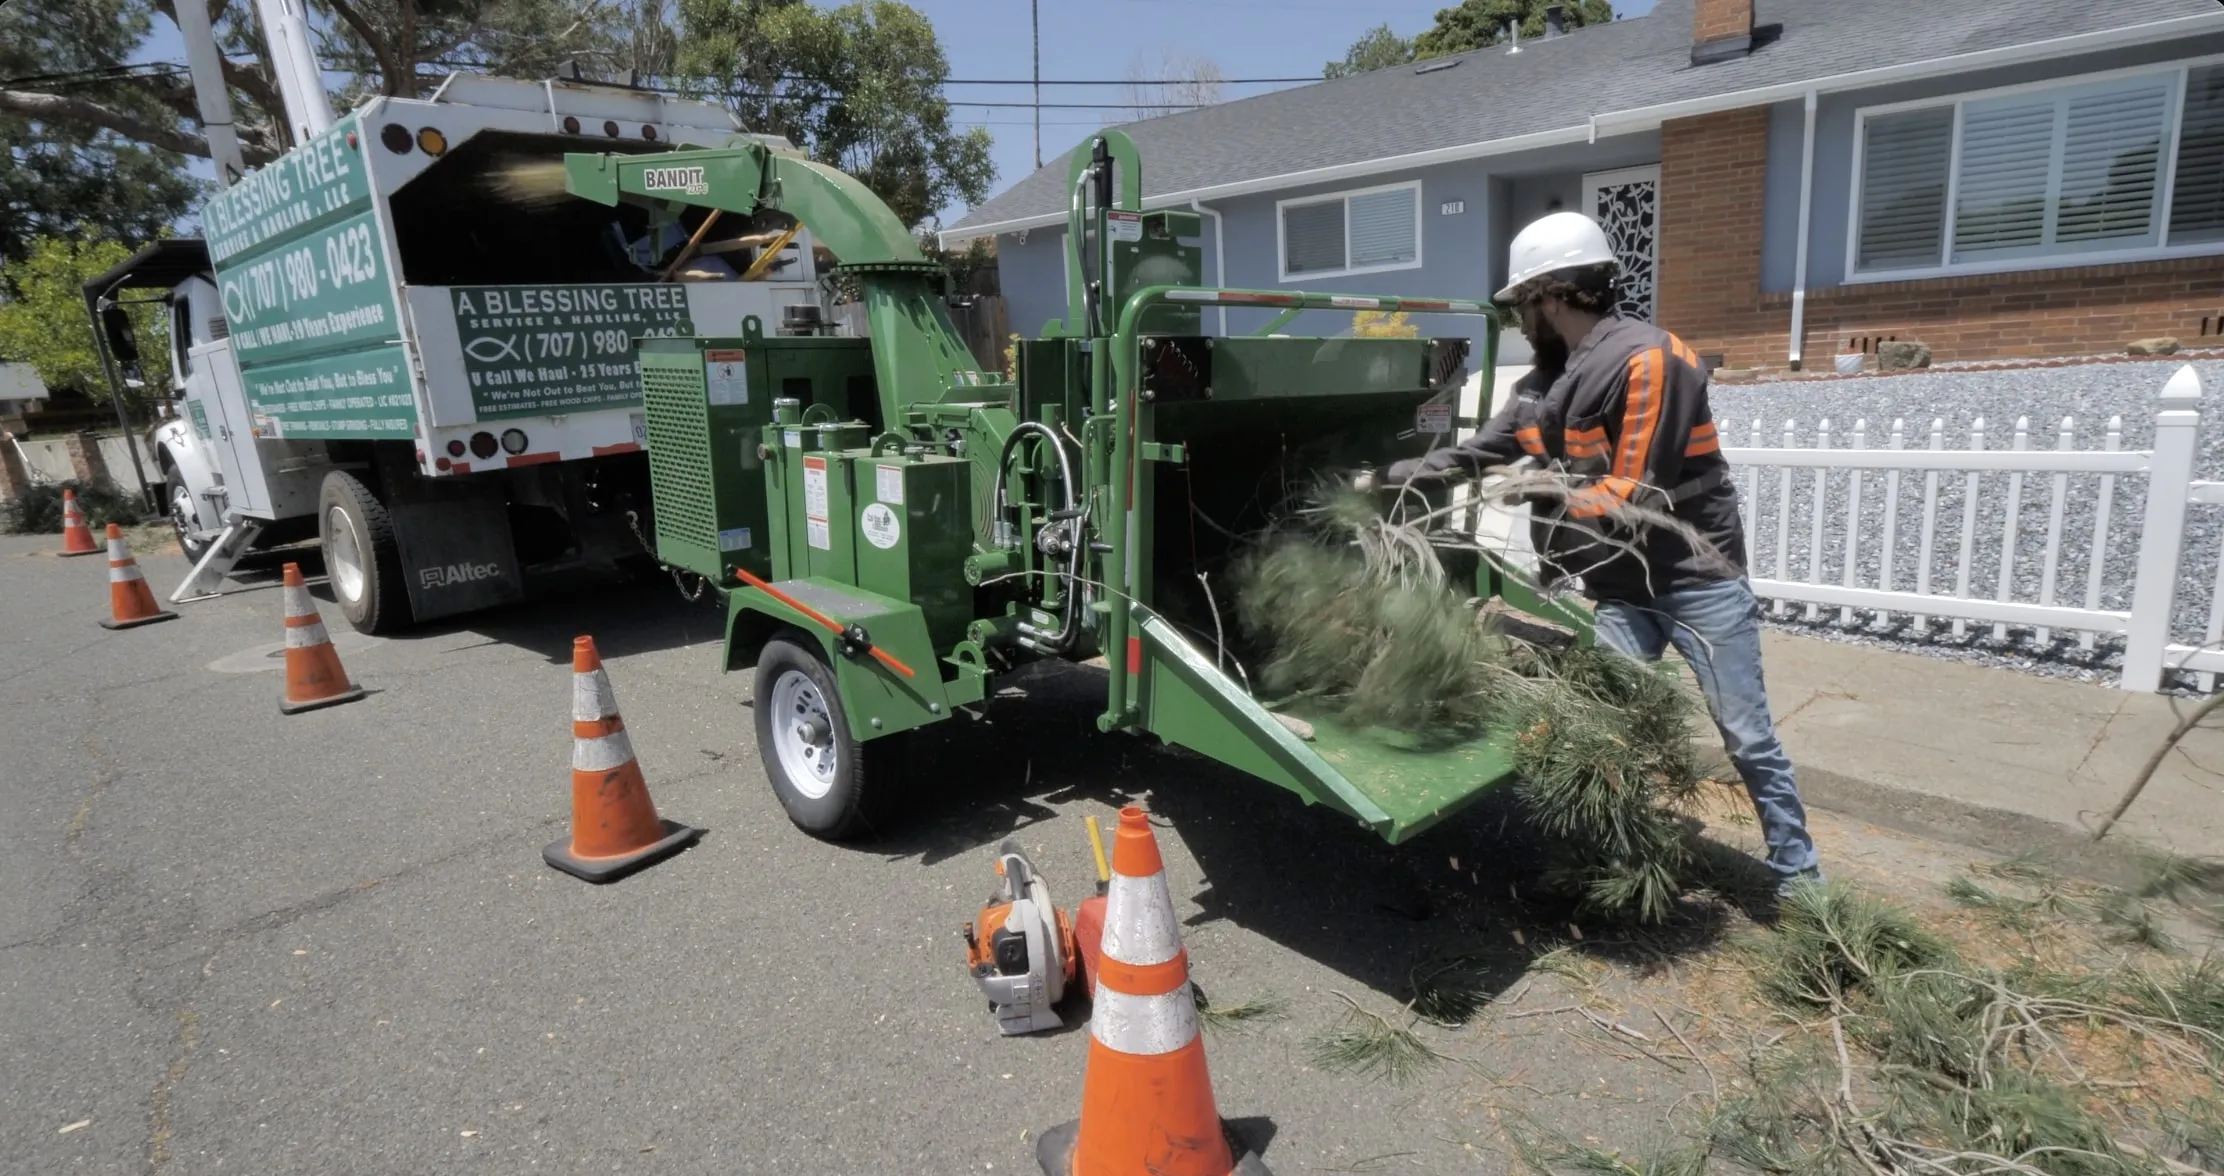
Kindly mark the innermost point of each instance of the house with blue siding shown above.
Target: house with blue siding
(1785, 180)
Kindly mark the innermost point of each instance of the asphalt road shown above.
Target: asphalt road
(233, 941)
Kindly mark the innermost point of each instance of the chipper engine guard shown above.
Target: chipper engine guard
(883, 502)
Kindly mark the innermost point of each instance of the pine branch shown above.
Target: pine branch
(64, 108)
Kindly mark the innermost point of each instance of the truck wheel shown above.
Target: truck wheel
(827, 780)
(360, 559)
(183, 516)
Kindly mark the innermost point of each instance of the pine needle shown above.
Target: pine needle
(1369, 1044)
(1237, 1016)
(1832, 939)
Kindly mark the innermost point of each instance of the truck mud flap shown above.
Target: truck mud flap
(457, 556)
(1389, 782)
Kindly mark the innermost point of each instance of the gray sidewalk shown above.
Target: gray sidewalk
(1990, 758)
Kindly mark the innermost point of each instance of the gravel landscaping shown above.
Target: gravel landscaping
(2089, 394)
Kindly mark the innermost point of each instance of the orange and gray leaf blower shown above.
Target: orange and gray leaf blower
(1021, 950)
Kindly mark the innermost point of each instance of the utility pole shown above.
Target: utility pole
(1034, 18)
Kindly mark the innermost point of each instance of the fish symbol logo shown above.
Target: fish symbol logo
(489, 348)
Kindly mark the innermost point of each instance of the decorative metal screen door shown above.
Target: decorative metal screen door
(1626, 203)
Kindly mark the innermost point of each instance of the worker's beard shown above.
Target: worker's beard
(1548, 350)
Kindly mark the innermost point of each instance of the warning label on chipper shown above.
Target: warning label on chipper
(815, 530)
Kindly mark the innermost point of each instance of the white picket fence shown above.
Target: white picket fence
(1903, 466)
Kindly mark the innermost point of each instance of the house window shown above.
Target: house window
(2126, 167)
(1351, 232)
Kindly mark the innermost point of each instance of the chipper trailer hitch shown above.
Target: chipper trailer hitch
(892, 527)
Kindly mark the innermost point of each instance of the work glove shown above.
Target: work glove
(1395, 478)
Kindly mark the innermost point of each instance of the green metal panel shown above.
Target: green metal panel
(914, 527)
(879, 700)
(1384, 779)
(703, 422)
(1245, 368)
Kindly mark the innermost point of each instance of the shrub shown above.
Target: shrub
(39, 512)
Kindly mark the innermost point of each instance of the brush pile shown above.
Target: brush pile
(1938, 1066)
(1361, 624)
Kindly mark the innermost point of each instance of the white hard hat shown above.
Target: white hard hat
(1553, 242)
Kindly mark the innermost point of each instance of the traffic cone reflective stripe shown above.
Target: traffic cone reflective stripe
(1147, 1104)
(313, 674)
(130, 601)
(615, 829)
(77, 538)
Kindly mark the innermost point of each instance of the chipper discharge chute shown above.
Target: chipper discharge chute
(892, 526)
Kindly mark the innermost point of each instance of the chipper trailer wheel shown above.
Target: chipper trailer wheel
(828, 781)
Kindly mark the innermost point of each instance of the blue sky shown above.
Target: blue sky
(1089, 39)
(1097, 39)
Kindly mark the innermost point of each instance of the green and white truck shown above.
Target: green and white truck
(409, 341)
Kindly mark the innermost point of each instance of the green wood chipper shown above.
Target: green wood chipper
(893, 527)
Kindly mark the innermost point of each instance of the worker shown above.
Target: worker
(1639, 501)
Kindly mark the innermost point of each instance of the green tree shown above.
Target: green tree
(44, 323)
(405, 47)
(1469, 25)
(859, 87)
(68, 174)
(1479, 24)
(1377, 48)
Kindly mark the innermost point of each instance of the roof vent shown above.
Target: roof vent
(1513, 30)
(1441, 63)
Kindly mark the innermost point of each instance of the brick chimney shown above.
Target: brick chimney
(1720, 30)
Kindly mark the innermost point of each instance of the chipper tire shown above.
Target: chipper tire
(831, 784)
(361, 561)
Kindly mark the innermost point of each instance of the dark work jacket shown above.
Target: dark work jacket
(1626, 422)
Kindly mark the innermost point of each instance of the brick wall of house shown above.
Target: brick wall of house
(1710, 274)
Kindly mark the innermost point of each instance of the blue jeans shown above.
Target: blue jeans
(1717, 629)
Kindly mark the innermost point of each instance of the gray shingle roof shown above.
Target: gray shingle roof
(1562, 83)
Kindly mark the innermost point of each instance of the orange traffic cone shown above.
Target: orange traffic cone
(1146, 1100)
(77, 538)
(313, 674)
(130, 601)
(614, 826)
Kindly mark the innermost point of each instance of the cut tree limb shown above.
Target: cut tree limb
(63, 108)
(2154, 762)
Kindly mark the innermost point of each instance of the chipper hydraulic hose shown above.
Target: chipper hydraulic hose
(1068, 520)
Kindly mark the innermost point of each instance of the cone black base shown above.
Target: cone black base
(112, 623)
(75, 554)
(676, 838)
(290, 707)
(1054, 1151)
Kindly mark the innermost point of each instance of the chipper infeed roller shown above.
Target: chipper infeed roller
(893, 527)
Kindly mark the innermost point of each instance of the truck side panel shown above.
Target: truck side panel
(308, 287)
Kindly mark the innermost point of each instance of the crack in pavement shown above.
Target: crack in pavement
(2099, 737)
(181, 1060)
